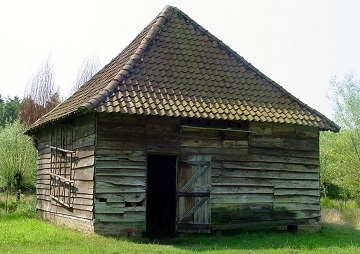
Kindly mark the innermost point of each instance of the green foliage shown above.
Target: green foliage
(340, 152)
(25, 206)
(345, 96)
(340, 165)
(9, 110)
(17, 158)
(337, 204)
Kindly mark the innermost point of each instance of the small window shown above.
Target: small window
(61, 173)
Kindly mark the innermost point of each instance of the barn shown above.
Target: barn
(178, 133)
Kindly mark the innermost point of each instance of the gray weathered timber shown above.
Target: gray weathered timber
(120, 185)
(83, 141)
(264, 175)
(277, 182)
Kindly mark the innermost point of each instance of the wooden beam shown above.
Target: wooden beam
(194, 177)
(193, 209)
(196, 128)
(60, 149)
(60, 177)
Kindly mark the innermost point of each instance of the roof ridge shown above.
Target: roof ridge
(161, 20)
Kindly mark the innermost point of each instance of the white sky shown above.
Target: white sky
(298, 44)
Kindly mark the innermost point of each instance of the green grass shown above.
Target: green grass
(23, 232)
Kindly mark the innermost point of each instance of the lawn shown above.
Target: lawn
(27, 234)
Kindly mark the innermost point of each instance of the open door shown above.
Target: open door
(193, 194)
(161, 196)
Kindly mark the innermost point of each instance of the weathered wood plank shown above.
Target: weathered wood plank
(241, 198)
(284, 152)
(121, 199)
(128, 181)
(270, 174)
(268, 166)
(128, 217)
(305, 192)
(128, 145)
(104, 208)
(119, 171)
(102, 187)
(296, 207)
(231, 189)
(296, 199)
(259, 224)
(118, 228)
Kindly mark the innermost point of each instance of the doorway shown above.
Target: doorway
(161, 196)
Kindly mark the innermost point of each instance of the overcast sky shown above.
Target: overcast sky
(298, 44)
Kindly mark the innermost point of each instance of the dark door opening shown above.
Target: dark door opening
(161, 196)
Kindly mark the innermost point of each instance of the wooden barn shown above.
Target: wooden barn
(179, 133)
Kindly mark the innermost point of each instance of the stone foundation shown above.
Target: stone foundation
(82, 225)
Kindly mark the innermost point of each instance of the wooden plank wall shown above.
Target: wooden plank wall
(123, 144)
(83, 170)
(273, 181)
(267, 176)
(120, 174)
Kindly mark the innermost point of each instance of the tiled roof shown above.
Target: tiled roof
(176, 68)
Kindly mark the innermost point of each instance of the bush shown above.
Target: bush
(338, 204)
(23, 207)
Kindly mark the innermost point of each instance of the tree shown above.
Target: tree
(88, 69)
(9, 110)
(345, 97)
(17, 158)
(41, 95)
(339, 165)
(339, 152)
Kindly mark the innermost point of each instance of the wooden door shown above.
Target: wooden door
(193, 194)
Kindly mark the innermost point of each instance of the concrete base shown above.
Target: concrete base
(82, 225)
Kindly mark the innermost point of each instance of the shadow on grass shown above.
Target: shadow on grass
(329, 238)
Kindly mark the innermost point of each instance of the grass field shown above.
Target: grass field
(24, 233)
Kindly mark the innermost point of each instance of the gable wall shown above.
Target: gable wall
(266, 176)
(83, 174)
(274, 182)
(123, 144)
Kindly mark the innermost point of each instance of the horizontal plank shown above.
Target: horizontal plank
(84, 173)
(245, 165)
(241, 198)
(284, 143)
(121, 172)
(269, 174)
(118, 228)
(276, 183)
(102, 187)
(83, 162)
(259, 224)
(231, 189)
(295, 207)
(201, 143)
(264, 207)
(129, 181)
(103, 208)
(84, 142)
(125, 217)
(108, 144)
(122, 198)
(296, 199)
(132, 155)
(284, 152)
(306, 192)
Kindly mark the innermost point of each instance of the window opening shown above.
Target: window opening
(61, 172)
